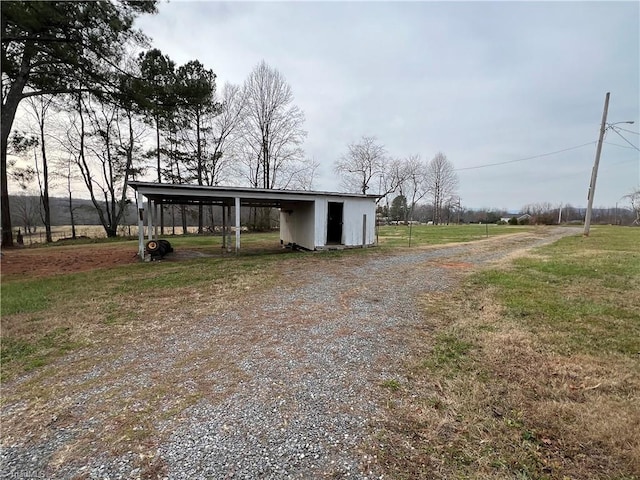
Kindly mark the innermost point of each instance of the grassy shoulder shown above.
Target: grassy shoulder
(529, 371)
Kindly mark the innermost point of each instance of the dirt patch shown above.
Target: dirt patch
(45, 262)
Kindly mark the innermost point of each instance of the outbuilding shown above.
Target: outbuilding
(308, 220)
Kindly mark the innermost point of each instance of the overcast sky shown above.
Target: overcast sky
(482, 82)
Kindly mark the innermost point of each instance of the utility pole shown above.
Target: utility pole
(594, 172)
(560, 215)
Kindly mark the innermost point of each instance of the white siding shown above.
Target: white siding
(321, 222)
(354, 209)
(297, 224)
(305, 223)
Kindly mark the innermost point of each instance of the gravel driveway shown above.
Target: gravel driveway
(293, 377)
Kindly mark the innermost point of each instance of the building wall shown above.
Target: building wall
(352, 212)
(321, 222)
(354, 209)
(305, 223)
(297, 224)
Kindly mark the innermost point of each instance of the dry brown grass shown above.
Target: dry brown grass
(491, 397)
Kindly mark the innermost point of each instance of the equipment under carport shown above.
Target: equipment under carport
(158, 248)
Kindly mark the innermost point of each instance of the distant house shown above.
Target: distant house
(520, 218)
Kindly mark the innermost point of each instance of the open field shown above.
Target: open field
(388, 235)
(61, 232)
(472, 375)
(417, 235)
(98, 252)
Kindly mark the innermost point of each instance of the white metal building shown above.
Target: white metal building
(310, 220)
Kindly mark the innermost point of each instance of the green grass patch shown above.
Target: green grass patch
(399, 235)
(41, 316)
(39, 352)
(450, 353)
(579, 290)
(392, 384)
(25, 297)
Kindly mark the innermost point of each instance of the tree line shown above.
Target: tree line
(98, 105)
(367, 167)
(101, 108)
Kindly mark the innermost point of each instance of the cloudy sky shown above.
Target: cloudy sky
(482, 82)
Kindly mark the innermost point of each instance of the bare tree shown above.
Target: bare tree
(39, 108)
(541, 213)
(105, 141)
(363, 163)
(70, 176)
(441, 183)
(393, 178)
(300, 176)
(272, 128)
(634, 200)
(413, 181)
(221, 133)
(270, 139)
(28, 209)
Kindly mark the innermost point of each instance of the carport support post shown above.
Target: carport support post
(228, 232)
(155, 220)
(141, 226)
(237, 224)
(224, 226)
(150, 220)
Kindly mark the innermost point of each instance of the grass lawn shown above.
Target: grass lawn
(418, 235)
(528, 371)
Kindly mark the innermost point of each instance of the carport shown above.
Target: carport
(308, 219)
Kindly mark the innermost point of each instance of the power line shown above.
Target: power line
(618, 145)
(627, 130)
(619, 163)
(620, 135)
(527, 158)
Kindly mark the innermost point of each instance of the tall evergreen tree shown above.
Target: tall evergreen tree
(156, 97)
(53, 47)
(155, 90)
(195, 90)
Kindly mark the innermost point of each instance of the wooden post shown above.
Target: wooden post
(150, 219)
(228, 234)
(364, 230)
(594, 171)
(155, 219)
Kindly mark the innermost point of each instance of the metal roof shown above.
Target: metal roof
(226, 195)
